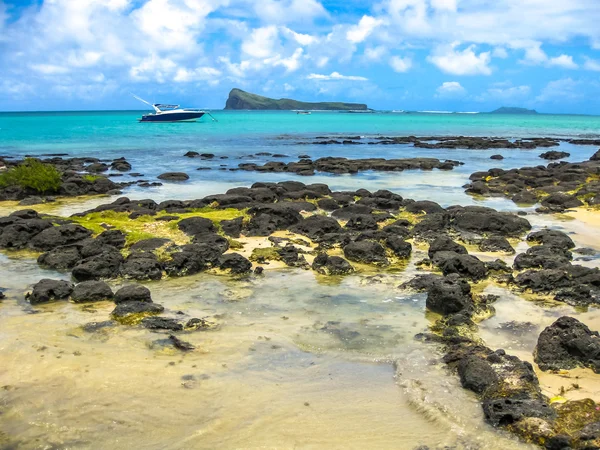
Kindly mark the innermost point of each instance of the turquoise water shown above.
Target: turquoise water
(238, 135)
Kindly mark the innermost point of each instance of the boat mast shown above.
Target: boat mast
(147, 103)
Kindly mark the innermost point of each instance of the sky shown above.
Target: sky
(452, 55)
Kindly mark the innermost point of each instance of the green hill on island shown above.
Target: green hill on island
(239, 99)
(513, 110)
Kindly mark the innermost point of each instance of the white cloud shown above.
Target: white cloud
(564, 61)
(199, 74)
(287, 11)
(262, 42)
(375, 53)
(505, 92)
(288, 88)
(292, 63)
(448, 5)
(592, 64)
(335, 76)
(358, 33)
(565, 89)
(500, 52)
(49, 69)
(457, 62)
(153, 68)
(400, 65)
(451, 89)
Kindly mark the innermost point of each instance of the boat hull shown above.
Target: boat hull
(186, 116)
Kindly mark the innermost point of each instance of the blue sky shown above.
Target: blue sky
(458, 55)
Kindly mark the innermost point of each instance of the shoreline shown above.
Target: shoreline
(373, 241)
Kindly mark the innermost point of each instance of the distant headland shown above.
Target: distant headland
(239, 99)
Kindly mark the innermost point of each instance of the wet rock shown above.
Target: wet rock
(196, 225)
(269, 218)
(121, 165)
(235, 263)
(105, 265)
(20, 233)
(149, 245)
(366, 252)
(331, 265)
(362, 223)
(595, 156)
(496, 244)
(424, 207)
(174, 176)
(60, 258)
(97, 168)
(93, 327)
(553, 155)
(497, 157)
(161, 323)
(31, 201)
(213, 240)
(476, 374)
(61, 235)
(483, 221)
(47, 290)
(430, 228)
(328, 204)
(560, 202)
(499, 411)
(553, 238)
(181, 345)
(91, 291)
(445, 244)
(142, 266)
(347, 212)
(232, 228)
(399, 246)
(466, 266)
(114, 238)
(133, 293)
(134, 311)
(316, 226)
(291, 256)
(567, 344)
(192, 258)
(542, 257)
(448, 295)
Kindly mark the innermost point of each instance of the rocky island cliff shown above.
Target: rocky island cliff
(239, 99)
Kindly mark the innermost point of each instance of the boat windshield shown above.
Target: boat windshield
(165, 107)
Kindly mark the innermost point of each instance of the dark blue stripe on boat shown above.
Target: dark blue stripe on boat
(187, 115)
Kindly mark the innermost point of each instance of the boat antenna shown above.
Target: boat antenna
(144, 101)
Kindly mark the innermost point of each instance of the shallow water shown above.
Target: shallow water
(296, 360)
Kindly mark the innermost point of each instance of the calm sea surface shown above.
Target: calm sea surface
(237, 136)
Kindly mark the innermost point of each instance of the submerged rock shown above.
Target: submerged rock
(132, 312)
(567, 344)
(174, 176)
(161, 323)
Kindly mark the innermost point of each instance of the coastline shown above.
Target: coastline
(343, 323)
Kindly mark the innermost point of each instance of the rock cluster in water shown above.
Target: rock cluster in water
(79, 176)
(557, 186)
(337, 165)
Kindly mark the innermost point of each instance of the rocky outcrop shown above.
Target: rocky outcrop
(239, 99)
(567, 344)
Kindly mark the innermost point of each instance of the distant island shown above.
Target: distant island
(513, 110)
(239, 99)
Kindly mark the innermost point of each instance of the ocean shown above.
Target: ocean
(239, 135)
(294, 359)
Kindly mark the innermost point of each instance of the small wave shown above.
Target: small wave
(436, 112)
